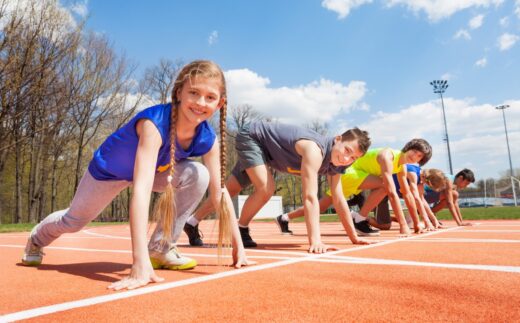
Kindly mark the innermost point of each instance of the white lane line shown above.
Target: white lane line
(483, 224)
(199, 255)
(485, 231)
(462, 240)
(104, 235)
(372, 261)
(165, 286)
(288, 239)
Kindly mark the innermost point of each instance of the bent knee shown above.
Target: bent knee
(197, 175)
(265, 192)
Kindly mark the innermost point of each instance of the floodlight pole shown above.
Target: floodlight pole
(503, 107)
(439, 86)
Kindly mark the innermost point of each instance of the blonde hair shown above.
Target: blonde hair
(165, 210)
(435, 178)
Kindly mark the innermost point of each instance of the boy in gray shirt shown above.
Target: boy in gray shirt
(293, 150)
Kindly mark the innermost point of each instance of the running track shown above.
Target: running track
(468, 274)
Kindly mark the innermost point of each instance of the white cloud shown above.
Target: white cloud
(504, 22)
(440, 9)
(476, 22)
(481, 62)
(476, 133)
(506, 41)
(447, 76)
(321, 100)
(462, 33)
(80, 8)
(517, 8)
(343, 7)
(213, 37)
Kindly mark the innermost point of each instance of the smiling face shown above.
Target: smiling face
(199, 99)
(412, 156)
(344, 153)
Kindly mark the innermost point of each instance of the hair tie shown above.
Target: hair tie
(169, 179)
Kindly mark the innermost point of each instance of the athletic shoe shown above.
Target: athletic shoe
(171, 260)
(194, 235)
(32, 255)
(284, 225)
(246, 238)
(364, 229)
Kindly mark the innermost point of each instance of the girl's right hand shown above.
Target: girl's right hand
(140, 275)
(240, 259)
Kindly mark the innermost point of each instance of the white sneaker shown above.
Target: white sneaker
(172, 260)
(32, 255)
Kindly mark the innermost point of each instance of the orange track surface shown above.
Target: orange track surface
(469, 274)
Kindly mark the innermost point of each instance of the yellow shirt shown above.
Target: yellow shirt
(364, 166)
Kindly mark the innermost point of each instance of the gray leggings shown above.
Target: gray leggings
(190, 181)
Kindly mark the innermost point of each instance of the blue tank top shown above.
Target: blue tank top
(411, 169)
(115, 158)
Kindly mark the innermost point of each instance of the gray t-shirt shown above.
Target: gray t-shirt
(278, 143)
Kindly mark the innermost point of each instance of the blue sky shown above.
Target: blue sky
(348, 63)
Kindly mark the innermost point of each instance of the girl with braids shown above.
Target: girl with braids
(150, 153)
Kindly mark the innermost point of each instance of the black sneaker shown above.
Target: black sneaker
(246, 238)
(193, 234)
(364, 229)
(284, 225)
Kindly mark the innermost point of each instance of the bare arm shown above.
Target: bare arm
(144, 173)
(409, 197)
(343, 210)
(418, 199)
(311, 161)
(451, 203)
(385, 159)
(431, 215)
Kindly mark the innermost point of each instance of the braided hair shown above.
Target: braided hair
(165, 211)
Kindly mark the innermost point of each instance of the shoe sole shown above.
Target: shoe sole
(201, 244)
(31, 263)
(189, 265)
(364, 234)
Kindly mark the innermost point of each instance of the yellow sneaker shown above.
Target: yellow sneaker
(171, 260)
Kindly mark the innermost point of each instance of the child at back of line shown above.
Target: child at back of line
(262, 146)
(150, 153)
(449, 196)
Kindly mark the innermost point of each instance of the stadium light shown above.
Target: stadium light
(503, 107)
(439, 87)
